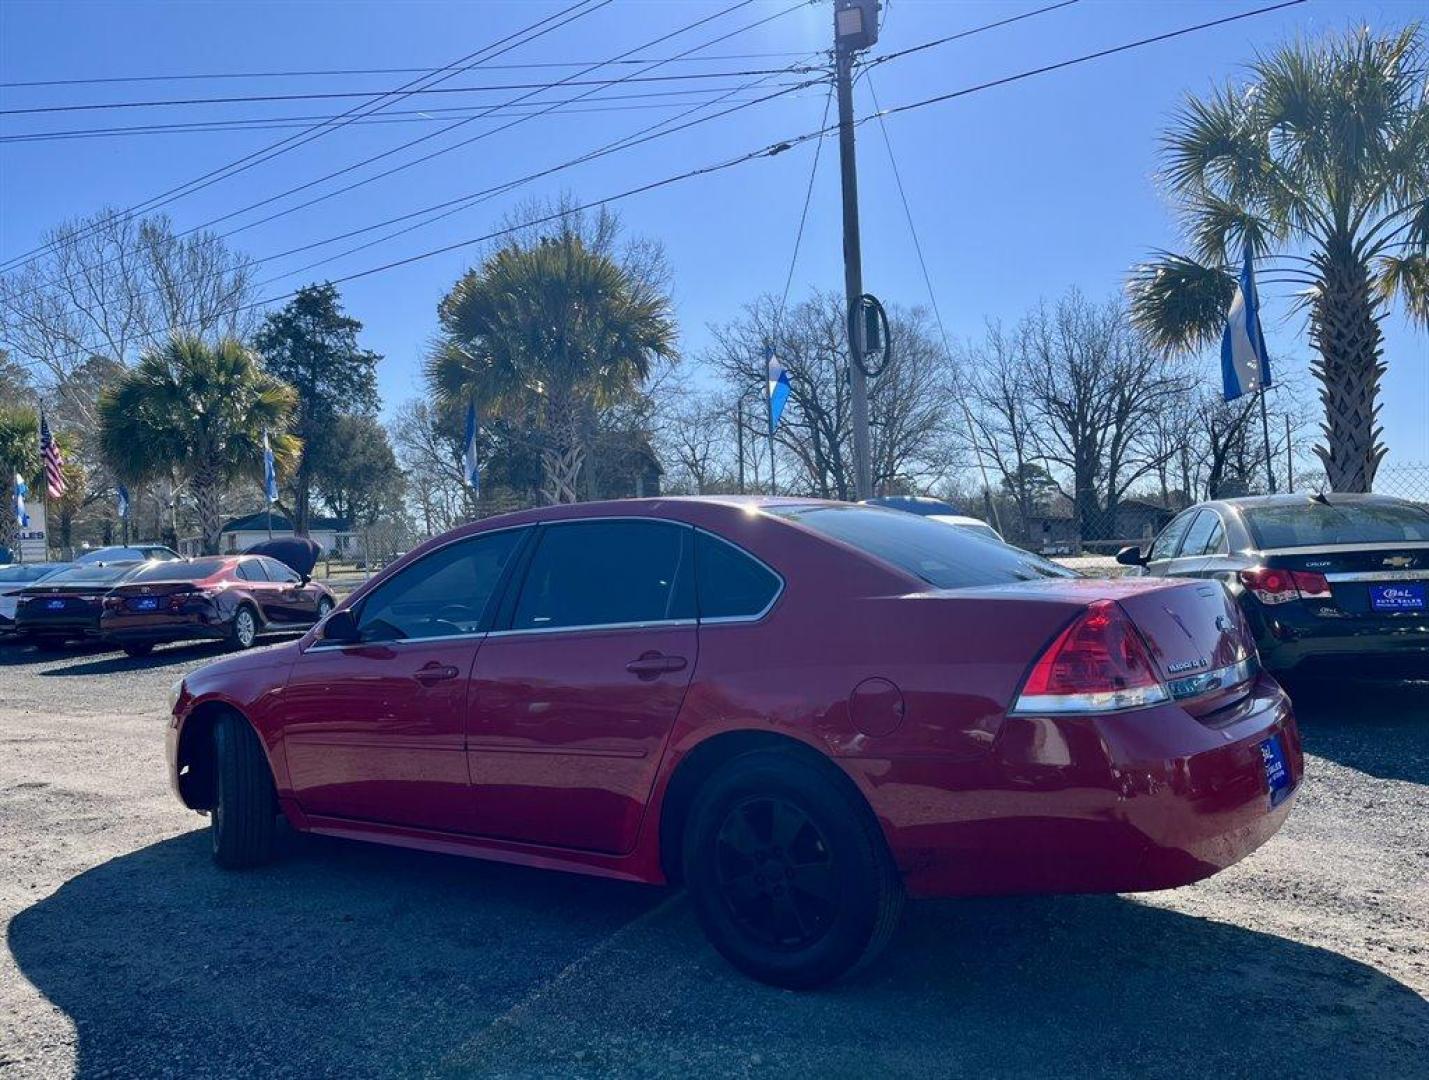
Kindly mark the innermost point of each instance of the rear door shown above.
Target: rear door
(295, 602)
(576, 692)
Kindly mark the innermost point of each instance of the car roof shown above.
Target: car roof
(1300, 499)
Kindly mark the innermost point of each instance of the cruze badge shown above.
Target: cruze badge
(1185, 665)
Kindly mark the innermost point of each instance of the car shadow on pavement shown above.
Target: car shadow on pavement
(15, 653)
(1376, 727)
(162, 657)
(347, 959)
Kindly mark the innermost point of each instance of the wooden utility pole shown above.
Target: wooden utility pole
(855, 28)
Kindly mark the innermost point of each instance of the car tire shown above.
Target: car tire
(138, 648)
(788, 871)
(244, 818)
(243, 629)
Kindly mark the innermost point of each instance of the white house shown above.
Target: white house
(239, 534)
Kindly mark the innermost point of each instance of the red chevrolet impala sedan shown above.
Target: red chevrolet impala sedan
(803, 710)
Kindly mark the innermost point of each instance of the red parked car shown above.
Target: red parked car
(232, 598)
(803, 710)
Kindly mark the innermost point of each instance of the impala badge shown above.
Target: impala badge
(1185, 665)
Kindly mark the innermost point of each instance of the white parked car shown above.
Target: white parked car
(971, 524)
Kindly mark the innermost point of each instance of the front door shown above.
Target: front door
(575, 694)
(375, 730)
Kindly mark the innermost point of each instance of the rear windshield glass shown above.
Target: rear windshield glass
(180, 571)
(1313, 524)
(942, 555)
(91, 575)
(25, 573)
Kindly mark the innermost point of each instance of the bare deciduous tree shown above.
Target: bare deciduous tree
(111, 286)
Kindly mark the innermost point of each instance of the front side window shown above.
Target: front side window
(279, 572)
(731, 584)
(441, 595)
(1199, 533)
(603, 573)
(944, 557)
(1169, 542)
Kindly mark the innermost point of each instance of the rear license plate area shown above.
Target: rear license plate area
(1277, 770)
(55, 605)
(144, 603)
(1398, 597)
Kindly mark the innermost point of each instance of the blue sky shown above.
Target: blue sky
(1018, 192)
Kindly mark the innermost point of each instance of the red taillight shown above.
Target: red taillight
(1274, 586)
(1098, 664)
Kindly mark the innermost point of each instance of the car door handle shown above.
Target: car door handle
(652, 664)
(435, 673)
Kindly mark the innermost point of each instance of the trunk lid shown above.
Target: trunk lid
(1370, 581)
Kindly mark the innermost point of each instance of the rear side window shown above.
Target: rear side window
(1311, 524)
(442, 595)
(943, 557)
(1169, 542)
(602, 573)
(731, 584)
(251, 570)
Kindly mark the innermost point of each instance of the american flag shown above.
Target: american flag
(54, 461)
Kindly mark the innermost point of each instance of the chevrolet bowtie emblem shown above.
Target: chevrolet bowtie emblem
(1400, 561)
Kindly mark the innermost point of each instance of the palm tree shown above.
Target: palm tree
(1320, 162)
(196, 413)
(546, 334)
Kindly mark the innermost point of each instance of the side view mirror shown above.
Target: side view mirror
(340, 628)
(306, 579)
(1131, 556)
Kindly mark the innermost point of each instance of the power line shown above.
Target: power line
(383, 71)
(460, 123)
(329, 95)
(782, 146)
(771, 150)
(401, 116)
(928, 284)
(536, 30)
(465, 202)
(1090, 56)
(804, 213)
(873, 61)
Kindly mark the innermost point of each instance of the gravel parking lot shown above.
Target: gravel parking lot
(129, 954)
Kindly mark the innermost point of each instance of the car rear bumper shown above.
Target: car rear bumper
(1149, 799)
(62, 626)
(159, 626)
(1398, 644)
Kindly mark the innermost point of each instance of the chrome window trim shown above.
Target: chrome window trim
(319, 643)
(1379, 575)
(653, 624)
(728, 620)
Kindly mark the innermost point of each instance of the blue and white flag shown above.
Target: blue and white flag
(1245, 366)
(470, 467)
(121, 501)
(270, 472)
(22, 518)
(778, 388)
